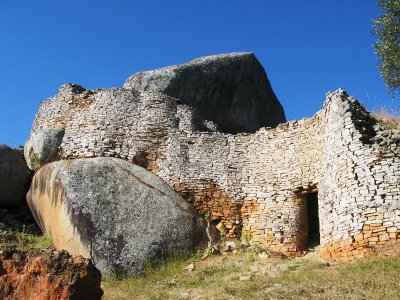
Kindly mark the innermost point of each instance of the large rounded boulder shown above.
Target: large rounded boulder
(231, 90)
(42, 147)
(119, 214)
(14, 177)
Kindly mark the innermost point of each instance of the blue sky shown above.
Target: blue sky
(307, 48)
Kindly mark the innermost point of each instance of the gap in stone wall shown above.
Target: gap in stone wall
(307, 230)
(313, 220)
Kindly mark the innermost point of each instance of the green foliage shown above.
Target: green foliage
(387, 47)
(29, 241)
(197, 255)
(222, 237)
(246, 237)
(31, 238)
(207, 216)
(47, 241)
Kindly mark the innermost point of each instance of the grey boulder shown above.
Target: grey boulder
(14, 177)
(119, 214)
(42, 147)
(231, 90)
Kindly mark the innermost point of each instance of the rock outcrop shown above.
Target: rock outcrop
(119, 214)
(231, 90)
(14, 177)
(48, 275)
(42, 147)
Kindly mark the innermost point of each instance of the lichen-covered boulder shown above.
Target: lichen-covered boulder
(231, 90)
(42, 147)
(47, 275)
(117, 213)
(14, 177)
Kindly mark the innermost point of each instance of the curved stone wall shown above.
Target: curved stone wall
(254, 183)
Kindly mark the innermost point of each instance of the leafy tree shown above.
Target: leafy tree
(387, 47)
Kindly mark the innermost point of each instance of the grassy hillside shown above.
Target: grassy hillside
(250, 276)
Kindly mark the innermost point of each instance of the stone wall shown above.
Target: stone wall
(360, 187)
(254, 183)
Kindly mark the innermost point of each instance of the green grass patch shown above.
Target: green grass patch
(224, 277)
(24, 240)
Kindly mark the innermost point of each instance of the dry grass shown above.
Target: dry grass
(390, 118)
(219, 277)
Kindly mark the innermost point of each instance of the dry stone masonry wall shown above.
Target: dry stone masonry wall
(256, 183)
(331, 180)
(360, 189)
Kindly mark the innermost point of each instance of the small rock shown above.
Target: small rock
(189, 268)
(245, 278)
(254, 269)
(283, 268)
(173, 282)
(244, 245)
(229, 246)
(221, 228)
(214, 250)
(238, 264)
(263, 255)
(185, 296)
(205, 255)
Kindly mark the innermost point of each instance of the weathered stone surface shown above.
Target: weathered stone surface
(231, 90)
(42, 147)
(117, 213)
(47, 275)
(14, 177)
